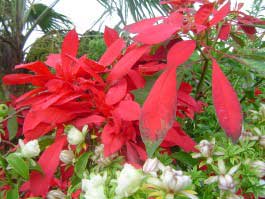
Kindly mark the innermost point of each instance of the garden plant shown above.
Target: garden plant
(174, 108)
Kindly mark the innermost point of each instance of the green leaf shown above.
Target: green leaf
(256, 65)
(185, 158)
(12, 124)
(13, 193)
(238, 40)
(19, 165)
(81, 164)
(3, 163)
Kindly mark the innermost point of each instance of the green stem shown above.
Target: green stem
(203, 74)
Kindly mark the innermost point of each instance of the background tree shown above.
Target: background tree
(18, 19)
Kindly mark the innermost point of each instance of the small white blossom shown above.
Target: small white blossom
(56, 194)
(128, 181)
(175, 180)
(260, 168)
(30, 149)
(94, 187)
(67, 156)
(226, 183)
(152, 166)
(74, 136)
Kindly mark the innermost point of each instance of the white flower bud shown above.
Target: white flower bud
(260, 168)
(56, 194)
(262, 141)
(175, 180)
(128, 181)
(152, 166)
(75, 136)
(94, 187)
(226, 182)
(30, 149)
(206, 148)
(67, 156)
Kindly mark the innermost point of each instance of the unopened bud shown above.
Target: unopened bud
(262, 141)
(30, 149)
(260, 168)
(56, 194)
(75, 136)
(152, 166)
(226, 182)
(67, 156)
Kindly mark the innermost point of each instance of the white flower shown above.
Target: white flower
(175, 180)
(260, 168)
(75, 136)
(56, 194)
(67, 156)
(128, 181)
(226, 183)
(94, 187)
(30, 149)
(262, 141)
(152, 166)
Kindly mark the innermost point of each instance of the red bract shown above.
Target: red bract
(226, 103)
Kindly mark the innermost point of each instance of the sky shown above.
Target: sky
(84, 13)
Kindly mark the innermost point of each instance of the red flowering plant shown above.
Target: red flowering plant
(101, 98)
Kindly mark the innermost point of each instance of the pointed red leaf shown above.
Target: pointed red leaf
(177, 137)
(69, 49)
(142, 25)
(158, 112)
(157, 34)
(49, 160)
(110, 36)
(53, 60)
(15, 79)
(180, 52)
(116, 93)
(128, 110)
(226, 103)
(203, 13)
(224, 32)
(37, 67)
(112, 52)
(136, 78)
(220, 15)
(126, 63)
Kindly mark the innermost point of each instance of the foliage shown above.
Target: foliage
(84, 119)
(18, 20)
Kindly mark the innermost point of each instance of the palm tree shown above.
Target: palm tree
(18, 19)
(137, 9)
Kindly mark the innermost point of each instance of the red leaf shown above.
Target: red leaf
(180, 52)
(14, 79)
(136, 78)
(53, 60)
(69, 49)
(51, 115)
(156, 34)
(37, 67)
(112, 52)
(49, 160)
(158, 112)
(110, 36)
(177, 137)
(128, 110)
(112, 140)
(91, 119)
(220, 15)
(142, 25)
(224, 32)
(226, 103)
(117, 92)
(203, 13)
(126, 63)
